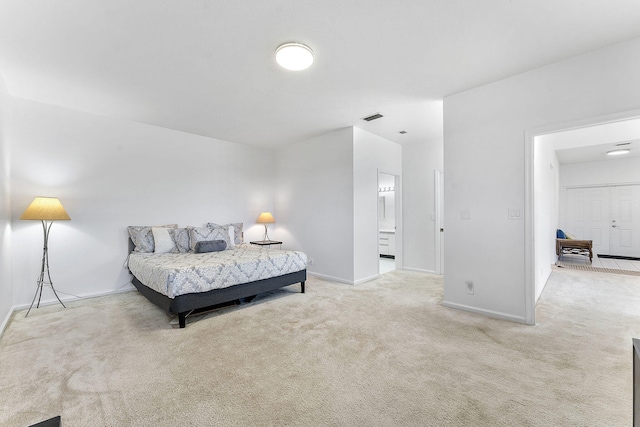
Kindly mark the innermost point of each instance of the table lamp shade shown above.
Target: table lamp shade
(265, 218)
(46, 209)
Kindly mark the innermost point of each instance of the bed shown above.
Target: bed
(188, 283)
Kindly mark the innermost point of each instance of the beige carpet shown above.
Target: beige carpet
(384, 353)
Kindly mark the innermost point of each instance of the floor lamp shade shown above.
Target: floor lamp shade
(46, 210)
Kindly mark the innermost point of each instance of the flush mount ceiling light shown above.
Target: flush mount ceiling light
(294, 56)
(618, 152)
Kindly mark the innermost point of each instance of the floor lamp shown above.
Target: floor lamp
(47, 210)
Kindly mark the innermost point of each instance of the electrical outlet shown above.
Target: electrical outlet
(310, 261)
(469, 287)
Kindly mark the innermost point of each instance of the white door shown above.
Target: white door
(625, 221)
(439, 221)
(588, 216)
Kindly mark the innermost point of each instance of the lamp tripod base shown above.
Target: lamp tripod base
(39, 295)
(265, 238)
(44, 271)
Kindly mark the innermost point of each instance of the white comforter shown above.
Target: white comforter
(177, 274)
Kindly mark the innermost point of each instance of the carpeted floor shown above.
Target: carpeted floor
(384, 353)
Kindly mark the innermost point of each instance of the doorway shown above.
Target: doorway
(607, 215)
(387, 248)
(439, 217)
(542, 147)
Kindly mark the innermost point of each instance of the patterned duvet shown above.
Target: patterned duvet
(186, 273)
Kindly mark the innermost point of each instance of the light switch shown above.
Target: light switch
(515, 213)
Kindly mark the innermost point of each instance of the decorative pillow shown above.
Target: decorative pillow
(210, 246)
(181, 239)
(560, 234)
(201, 234)
(238, 235)
(162, 240)
(142, 237)
(570, 236)
(230, 228)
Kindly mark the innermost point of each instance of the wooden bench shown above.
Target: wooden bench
(577, 247)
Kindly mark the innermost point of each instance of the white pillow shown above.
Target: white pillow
(232, 237)
(163, 241)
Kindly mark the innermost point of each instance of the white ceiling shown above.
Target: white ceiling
(207, 67)
(591, 143)
(596, 153)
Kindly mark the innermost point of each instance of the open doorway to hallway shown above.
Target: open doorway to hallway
(549, 174)
(567, 162)
(386, 222)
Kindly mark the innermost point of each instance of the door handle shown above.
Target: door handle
(614, 226)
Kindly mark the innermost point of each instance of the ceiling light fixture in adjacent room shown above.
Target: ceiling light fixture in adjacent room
(294, 56)
(618, 152)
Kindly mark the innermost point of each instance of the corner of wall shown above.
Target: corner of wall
(6, 280)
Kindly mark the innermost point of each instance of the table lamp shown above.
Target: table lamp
(265, 218)
(47, 210)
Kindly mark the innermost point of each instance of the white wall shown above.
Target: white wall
(546, 199)
(314, 204)
(326, 196)
(606, 172)
(371, 154)
(419, 163)
(6, 288)
(109, 174)
(485, 156)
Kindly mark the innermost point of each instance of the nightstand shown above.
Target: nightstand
(266, 243)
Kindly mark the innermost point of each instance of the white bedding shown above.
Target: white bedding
(185, 273)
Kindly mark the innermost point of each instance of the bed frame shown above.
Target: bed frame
(184, 305)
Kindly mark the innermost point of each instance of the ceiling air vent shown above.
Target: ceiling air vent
(372, 117)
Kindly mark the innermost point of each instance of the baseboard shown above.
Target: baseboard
(488, 313)
(331, 278)
(5, 322)
(366, 279)
(419, 270)
(66, 298)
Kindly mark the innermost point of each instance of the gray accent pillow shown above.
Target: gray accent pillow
(200, 234)
(210, 246)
